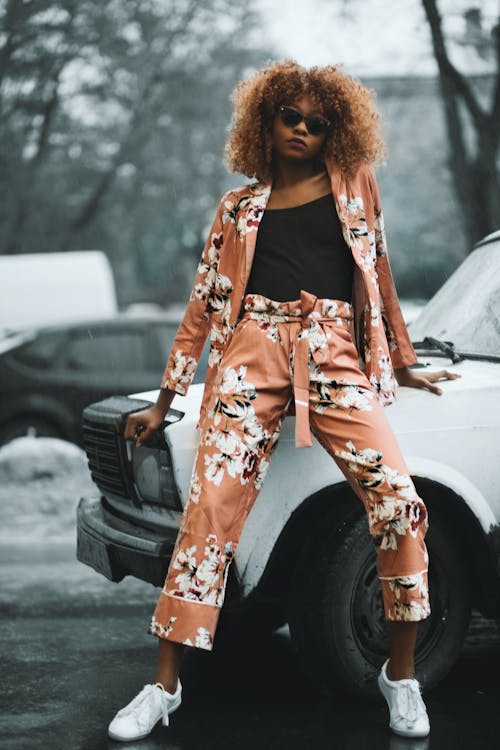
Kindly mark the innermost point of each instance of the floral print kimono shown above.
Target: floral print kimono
(214, 306)
(330, 362)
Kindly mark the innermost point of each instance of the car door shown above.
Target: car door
(100, 361)
(160, 341)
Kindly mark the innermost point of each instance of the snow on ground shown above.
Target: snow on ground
(41, 482)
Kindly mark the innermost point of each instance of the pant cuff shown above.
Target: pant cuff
(183, 621)
(406, 598)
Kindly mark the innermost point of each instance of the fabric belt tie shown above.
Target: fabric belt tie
(311, 338)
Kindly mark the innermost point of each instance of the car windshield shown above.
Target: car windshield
(466, 310)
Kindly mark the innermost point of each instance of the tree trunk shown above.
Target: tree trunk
(475, 175)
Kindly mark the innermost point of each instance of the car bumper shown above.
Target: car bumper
(116, 548)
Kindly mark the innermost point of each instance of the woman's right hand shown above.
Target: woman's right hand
(141, 424)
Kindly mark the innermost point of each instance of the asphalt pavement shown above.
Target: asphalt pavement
(75, 649)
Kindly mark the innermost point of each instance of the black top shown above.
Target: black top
(301, 248)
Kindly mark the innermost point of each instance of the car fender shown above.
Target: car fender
(268, 517)
(450, 477)
(182, 438)
(289, 483)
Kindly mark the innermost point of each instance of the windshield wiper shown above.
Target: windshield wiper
(447, 347)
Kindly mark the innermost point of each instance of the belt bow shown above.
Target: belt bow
(310, 338)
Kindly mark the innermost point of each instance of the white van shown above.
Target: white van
(46, 288)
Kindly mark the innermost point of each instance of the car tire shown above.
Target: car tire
(336, 615)
(254, 620)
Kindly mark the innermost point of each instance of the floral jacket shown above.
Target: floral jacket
(216, 298)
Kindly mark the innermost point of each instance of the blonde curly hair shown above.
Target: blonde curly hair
(353, 137)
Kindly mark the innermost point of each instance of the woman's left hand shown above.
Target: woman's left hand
(408, 377)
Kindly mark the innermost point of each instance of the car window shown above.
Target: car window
(41, 352)
(94, 349)
(466, 309)
(162, 343)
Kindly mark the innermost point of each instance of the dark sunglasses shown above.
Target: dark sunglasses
(291, 117)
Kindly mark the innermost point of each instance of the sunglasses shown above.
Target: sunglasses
(291, 117)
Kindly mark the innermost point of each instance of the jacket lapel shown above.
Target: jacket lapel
(256, 206)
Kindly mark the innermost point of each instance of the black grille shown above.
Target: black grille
(105, 461)
(102, 431)
(103, 425)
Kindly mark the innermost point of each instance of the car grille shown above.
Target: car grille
(105, 462)
(102, 433)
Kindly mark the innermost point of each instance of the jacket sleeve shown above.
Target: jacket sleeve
(192, 333)
(400, 346)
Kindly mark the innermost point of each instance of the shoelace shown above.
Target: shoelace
(136, 706)
(164, 707)
(409, 700)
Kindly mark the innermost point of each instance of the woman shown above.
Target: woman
(295, 327)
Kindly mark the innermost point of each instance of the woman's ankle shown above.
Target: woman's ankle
(397, 671)
(170, 685)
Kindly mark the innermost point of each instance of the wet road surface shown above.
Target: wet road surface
(75, 649)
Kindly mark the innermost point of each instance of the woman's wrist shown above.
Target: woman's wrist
(163, 402)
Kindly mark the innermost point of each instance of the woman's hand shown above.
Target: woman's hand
(142, 423)
(408, 377)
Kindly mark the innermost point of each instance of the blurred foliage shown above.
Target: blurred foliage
(113, 117)
(112, 122)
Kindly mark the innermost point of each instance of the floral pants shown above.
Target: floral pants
(303, 349)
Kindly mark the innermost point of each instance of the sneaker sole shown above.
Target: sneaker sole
(117, 737)
(413, 735)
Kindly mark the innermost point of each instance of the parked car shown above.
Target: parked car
(50, 373)
(305, 556)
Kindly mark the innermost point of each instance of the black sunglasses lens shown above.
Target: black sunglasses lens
(290, 116)
(316, 126)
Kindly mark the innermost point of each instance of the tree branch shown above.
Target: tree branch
(495, 108)
(446, 67)
(144, 99)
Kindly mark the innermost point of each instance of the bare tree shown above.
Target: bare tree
(474, 168)
(112, 120)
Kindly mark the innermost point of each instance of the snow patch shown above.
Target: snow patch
(41, 482)
(27, 458)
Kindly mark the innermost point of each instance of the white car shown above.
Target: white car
(305, 556)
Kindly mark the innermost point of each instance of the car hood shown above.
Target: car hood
(413, 408)
(475, 374)
(466, 402)
(187, 404)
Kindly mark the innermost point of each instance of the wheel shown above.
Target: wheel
(336, 615)
(255, 619)
(26, 425)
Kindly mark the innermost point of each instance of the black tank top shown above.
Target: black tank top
(301, 248)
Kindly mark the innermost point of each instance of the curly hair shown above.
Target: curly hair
(353, 137)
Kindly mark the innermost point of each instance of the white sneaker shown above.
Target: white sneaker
(408, 715)
(137, 718)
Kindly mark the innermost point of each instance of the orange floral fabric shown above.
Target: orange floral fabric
(214, 306)
(302, 350)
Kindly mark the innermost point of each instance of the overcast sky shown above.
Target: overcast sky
(370, 36)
